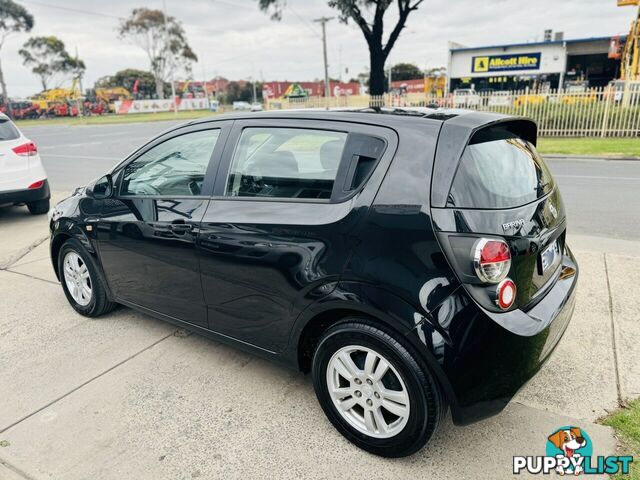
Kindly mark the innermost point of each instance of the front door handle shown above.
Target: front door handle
(180, 226)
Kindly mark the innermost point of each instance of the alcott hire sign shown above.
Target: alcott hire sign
(502, 63)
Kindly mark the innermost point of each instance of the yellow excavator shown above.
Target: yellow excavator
(59, 102)
(107, 96)
(629, 55)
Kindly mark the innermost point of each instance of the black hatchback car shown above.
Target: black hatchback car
(412, 260)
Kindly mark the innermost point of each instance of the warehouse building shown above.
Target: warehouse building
(553, 63)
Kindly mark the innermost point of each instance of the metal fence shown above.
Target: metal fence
(596, 112)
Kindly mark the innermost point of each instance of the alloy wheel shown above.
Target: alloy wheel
(77, 278)
(368, 391)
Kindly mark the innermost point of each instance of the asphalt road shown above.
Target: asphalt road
(602, 196)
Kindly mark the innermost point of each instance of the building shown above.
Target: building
(556, 63)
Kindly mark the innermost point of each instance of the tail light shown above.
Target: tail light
(506, 293)
(37, 184)
(491, 260)
(26, 149)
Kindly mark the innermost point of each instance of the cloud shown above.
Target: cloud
(234, 39)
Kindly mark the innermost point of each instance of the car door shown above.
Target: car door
(279, 228)
(147, 232)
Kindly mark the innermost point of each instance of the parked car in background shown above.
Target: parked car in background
(500, 99)
(465, 97)
(412, 260)
(242, 106)
(256, 107)
(617, 89)
(22, 176)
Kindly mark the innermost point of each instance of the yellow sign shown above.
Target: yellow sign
(480, 64)
(508, 62)
(624, 3)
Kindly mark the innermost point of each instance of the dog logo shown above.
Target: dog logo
(571, 442)
(570, 451)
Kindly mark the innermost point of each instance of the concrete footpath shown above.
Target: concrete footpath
(130, 397)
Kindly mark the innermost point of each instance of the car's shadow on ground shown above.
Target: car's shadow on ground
(205, 398)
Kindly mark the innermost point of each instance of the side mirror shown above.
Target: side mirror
(101, 188)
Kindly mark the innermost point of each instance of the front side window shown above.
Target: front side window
(499, 170)
(285, 163)
(176, 167)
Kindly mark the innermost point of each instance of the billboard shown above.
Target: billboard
(166, 105)
(506, 63)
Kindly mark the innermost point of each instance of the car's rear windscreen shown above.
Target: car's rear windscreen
(498, 169)
(7, 130)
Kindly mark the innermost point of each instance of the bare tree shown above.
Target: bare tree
(167, 50)
(48, 58)
(369, 16)
(13, 18)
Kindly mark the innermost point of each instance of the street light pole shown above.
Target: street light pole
(166, 41)
(323, 21)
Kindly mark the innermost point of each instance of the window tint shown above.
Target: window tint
(285, 163)
(499, 170)
(7, 130)
(176, 167)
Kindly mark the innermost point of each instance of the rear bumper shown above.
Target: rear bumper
(26, 196)
(489, 357)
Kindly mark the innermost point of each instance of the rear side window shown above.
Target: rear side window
(8, 131)
(499, 170)
(285, 163)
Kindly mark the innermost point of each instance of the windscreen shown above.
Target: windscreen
(7, 130)
(498, 169)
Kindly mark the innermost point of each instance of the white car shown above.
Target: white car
(242, 106)
(22, 176)
(465, 97)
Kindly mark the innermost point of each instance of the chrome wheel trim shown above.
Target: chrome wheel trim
(77, 278)
(360, 396)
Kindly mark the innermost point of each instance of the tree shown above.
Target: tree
(372, 29)
(406, 71)
(127, 79)
(242, 91)
(167, 49)
(13, 18)
(48, 58)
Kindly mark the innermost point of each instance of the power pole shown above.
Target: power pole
(323, 21)
(166, 41)
(78, 100)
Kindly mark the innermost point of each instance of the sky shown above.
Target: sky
(234, 39)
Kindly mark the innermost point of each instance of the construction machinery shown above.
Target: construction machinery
(108, 96)
(59, 102)
(628, 51)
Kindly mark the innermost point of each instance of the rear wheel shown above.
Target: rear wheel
(81, 282)
(38, 207)
(374, 390)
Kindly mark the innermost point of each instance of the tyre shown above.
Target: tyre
(377, 393)
(81, 282)
(39, 207)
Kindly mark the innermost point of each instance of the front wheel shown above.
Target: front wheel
(377, 393)
(81, 282)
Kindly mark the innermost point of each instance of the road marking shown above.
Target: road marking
(70, 145)
(598, 177)
(89, 157)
